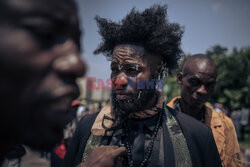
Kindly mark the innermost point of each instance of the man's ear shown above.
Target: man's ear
(157, 70)
(179, 77)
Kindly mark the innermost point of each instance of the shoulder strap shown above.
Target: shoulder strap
(92, 143)
(181, 151)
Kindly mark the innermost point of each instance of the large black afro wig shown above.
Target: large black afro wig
(149, 28)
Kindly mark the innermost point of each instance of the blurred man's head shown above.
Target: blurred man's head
(140, 47)
(197, 80)
(40, 61)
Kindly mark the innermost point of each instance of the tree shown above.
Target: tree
(232, 87)
(216, 50)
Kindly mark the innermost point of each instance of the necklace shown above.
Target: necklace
(149, 148)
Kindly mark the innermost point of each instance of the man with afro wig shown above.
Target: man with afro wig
(143, 48)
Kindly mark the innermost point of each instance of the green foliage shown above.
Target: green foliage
(232, 87)
(216, 50)
(172, 89)
(233, 80)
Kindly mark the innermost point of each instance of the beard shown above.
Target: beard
(136, 103)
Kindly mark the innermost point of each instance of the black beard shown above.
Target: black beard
(137, 102)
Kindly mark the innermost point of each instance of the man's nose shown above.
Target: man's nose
(202, 90)
(121, 81)
(70, 64)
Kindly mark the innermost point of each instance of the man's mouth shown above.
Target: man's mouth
(58, 105)
(64, 92)
(200, 101)
(61, 104)
(123, 97)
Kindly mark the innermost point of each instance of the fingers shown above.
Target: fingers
(105, 156)
(118, 151)
(82, 165)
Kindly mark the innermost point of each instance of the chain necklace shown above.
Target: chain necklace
(149, 148)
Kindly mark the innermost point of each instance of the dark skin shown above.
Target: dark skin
(40, 62)
(197, 81)
(35, 85)
(106, 156)
(133, 62)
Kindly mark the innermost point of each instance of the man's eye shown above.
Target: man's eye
(194, 82)
(47, 38)
(210, 86)
(114, 70)
(132, 71)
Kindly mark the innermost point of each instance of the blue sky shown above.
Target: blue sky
(206, 23)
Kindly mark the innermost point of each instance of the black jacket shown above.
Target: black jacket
(199, 137)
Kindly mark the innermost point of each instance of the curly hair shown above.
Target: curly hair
(149, 28)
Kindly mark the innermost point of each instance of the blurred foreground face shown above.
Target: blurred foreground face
(40, 61)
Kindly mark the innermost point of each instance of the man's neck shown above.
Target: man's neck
(147, 107)
(151, 103)
(194, 111)
(5, 148)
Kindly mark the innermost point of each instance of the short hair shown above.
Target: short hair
(149, 28)
(197, 58)
(54, 9)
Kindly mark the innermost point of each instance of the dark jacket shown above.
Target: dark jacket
(199, 137)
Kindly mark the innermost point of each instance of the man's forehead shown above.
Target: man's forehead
(196, 65)
(128, 52)
(56, 8)
(128, 49)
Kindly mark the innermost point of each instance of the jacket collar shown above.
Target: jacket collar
(212, 117)
(106, 118)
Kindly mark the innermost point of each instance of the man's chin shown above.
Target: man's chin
(135, 103)
(127, 106)
(43, 142)
(46, 146)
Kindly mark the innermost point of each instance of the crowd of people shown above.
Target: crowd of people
(40, 61)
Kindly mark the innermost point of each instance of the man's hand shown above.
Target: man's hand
(105, 156)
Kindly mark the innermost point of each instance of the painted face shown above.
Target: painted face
(197, 82)
(131, 63)
(40, 61)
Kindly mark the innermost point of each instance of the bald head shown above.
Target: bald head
(201, 61)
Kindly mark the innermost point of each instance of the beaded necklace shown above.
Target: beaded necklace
(149, 148)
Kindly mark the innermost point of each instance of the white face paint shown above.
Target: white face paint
(162, 77)
(120, 67)
(137, 67)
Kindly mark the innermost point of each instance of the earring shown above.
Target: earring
(139, 95)
(161, 77)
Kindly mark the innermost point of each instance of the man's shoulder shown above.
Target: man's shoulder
(86, 123)
(199, 139)
(88, 118)
(190, 126)
(219, 118)
(172, 102)
(186, 119)
(228, 122)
